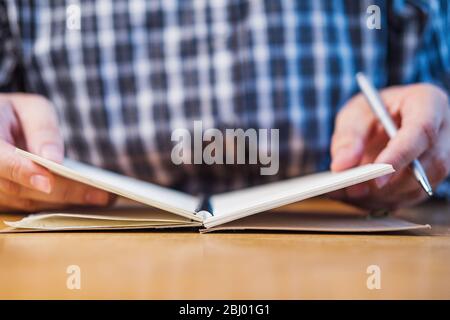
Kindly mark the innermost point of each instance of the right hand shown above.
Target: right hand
(29, 122)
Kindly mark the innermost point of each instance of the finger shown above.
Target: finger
(437, 161)
(337, 194)
(65, 192)
(434, 156)
(403, 183)
(435, 169)
(413, 198)
(419, 131)
(409, 144)
(353, 125)
(370, 203)
(404, 192)
(8, 203)
(358, 191)
(39, 125)
(22, 171)
(404, 188)
(8, 122)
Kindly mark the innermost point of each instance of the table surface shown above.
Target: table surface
(259, 265)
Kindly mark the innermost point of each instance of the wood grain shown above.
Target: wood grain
(189, 265)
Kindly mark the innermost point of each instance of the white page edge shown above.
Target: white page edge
(239, 214)
(73, 175)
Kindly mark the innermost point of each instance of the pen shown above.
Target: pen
(385, 118)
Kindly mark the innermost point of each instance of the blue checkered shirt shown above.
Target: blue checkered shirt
(136, 70)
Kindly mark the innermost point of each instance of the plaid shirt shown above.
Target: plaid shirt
(138, 69)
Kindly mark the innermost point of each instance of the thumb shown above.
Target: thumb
(39, 124)
(352, 128)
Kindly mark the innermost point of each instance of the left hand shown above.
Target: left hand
(422, 114)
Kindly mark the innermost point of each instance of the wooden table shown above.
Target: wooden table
(188, 265)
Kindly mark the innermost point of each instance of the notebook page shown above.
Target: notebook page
(56, 222)
(140, 191)
(241, 203)
(311, 222)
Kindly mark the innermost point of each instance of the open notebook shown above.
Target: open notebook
(242, 209)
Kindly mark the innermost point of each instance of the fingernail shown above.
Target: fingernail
(382, 181)
(52, 152)
(41, 183)
(97, 197)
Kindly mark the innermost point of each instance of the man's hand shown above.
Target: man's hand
(423, 117)
(29, 122)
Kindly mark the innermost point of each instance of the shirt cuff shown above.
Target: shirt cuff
(443, 190)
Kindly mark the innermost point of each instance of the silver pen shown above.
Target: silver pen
(385, 118)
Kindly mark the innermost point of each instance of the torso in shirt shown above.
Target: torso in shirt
(136, 70)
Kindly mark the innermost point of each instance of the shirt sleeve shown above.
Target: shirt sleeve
(9, 78)
(419, 42)
(419, 48)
